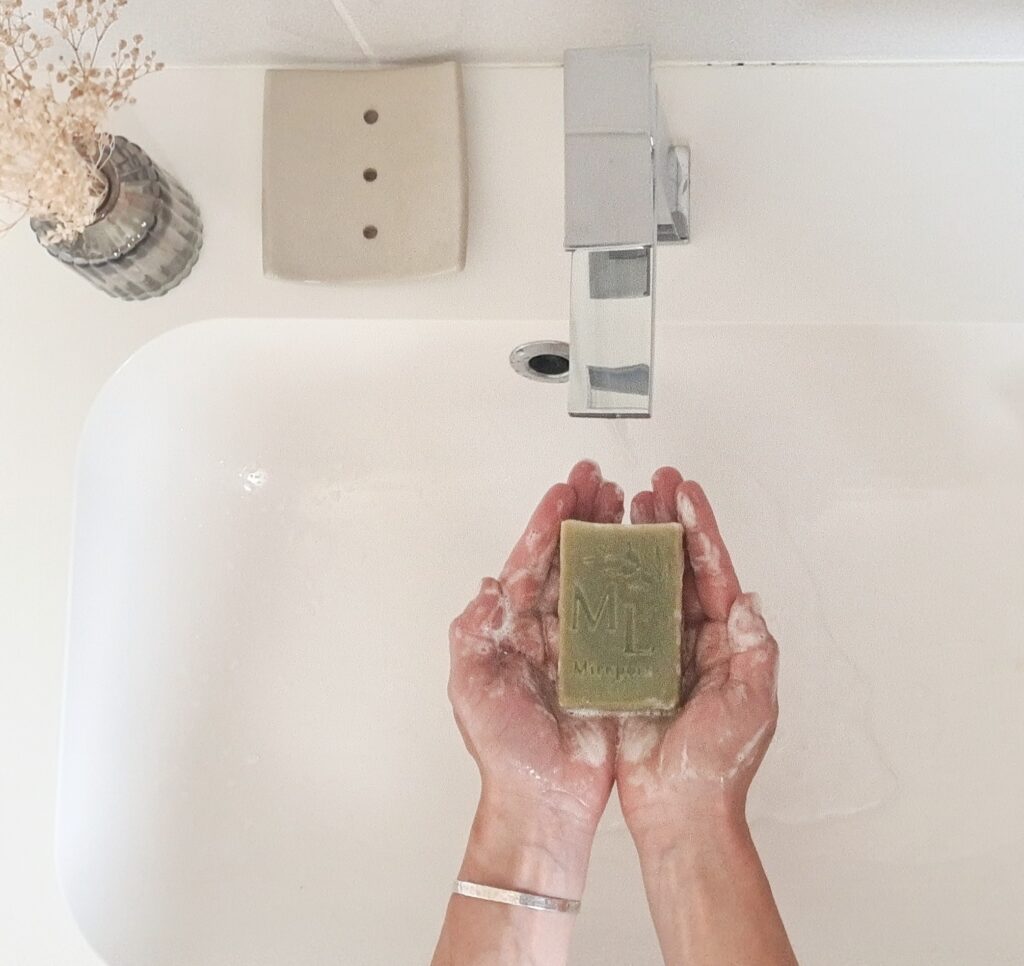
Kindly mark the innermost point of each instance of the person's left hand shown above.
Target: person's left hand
(679, 776)
(533, 757)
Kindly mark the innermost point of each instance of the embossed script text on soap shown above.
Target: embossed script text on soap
(619, 617)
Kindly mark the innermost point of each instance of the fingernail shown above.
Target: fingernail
(755, 603)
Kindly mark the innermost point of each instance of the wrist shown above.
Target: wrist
(658, 822)
(667, 832)
(529, 848)
(705, 840)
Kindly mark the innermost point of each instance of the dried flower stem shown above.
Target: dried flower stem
(52, 110)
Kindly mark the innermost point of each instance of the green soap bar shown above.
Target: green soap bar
(619, 617)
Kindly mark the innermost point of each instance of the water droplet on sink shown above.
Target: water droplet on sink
(253, 479)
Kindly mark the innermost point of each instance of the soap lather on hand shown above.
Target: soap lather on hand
(619, 617)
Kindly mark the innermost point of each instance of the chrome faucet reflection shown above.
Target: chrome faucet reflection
(626, 191)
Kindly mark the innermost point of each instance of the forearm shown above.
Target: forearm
(510, 849)
(710, 898)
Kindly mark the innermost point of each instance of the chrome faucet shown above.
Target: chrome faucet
(626, 191)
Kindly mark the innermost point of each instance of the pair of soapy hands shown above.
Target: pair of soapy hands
(559, 768)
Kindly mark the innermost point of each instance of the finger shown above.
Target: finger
(527, 566)
(688, 661)
(547, 599)
(692, 611)
(473, 641)
(525, 635)
(712, 650)
(641, 510)
(552, 643)
(664, 483)
(754, 654)
(481, 616)
(585, 478)
(608, 507)
(715, 579)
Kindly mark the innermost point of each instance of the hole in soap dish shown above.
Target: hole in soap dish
(370, 116)
(370, 174)
(370, 231)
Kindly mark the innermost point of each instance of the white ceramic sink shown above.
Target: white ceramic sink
(276, 521)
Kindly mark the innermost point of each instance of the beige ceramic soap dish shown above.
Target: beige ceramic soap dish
(364, 174)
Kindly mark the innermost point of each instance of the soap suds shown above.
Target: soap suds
(686, 771)
(500, 634)
(687, 511)
(637, 746)
(747, 752)
(585, 712)
(706, 557)
(637, 740)
(644, 714)
(526, 769)
(590, 744)
(517, 577)
(553, 784)
(489, 623)
(746, 627)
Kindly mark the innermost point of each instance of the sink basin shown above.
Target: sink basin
(276, 521)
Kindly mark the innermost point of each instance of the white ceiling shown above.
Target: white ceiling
(333, 31)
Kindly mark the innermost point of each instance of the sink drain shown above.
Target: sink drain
(543, 361)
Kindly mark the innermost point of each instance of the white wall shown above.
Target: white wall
(821, 195)
(236, 32)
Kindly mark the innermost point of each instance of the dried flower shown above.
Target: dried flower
(52, 110)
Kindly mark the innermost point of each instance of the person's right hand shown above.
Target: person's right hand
(545, 775)
(699, 764)
(550, 765)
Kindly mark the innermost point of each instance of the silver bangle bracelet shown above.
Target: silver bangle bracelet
(508, 897)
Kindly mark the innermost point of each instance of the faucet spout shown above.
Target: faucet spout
(626, 191)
